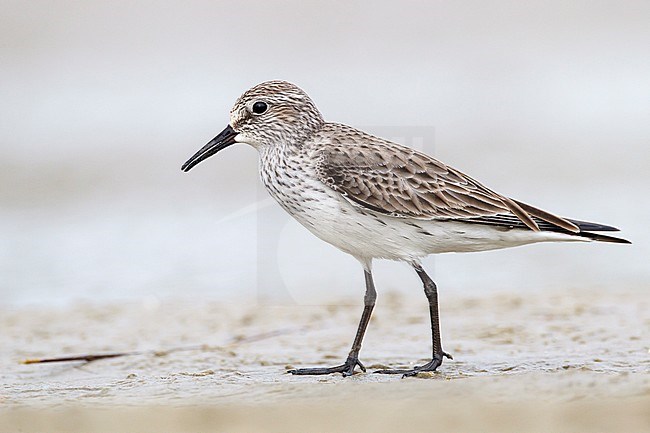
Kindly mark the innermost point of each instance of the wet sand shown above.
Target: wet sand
(572, 360)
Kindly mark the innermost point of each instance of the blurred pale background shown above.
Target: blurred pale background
(101, 102)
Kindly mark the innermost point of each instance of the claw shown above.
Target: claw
(430, 366)
(346, 369)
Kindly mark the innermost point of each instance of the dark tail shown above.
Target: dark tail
(587, 227)
(547, 222)
(550, 222)
(603, 238)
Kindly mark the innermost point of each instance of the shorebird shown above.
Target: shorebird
(375, 199)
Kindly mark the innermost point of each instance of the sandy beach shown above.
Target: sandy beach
(562, 361)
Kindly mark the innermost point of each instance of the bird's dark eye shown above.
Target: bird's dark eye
(260, 107)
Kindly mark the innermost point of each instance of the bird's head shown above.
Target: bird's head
(269, 114)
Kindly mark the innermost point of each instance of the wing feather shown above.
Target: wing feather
(399, 181)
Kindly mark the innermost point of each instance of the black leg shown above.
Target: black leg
(431, 291)
(347, 368)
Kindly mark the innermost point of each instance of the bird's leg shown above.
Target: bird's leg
(347, 368)
(431, 291)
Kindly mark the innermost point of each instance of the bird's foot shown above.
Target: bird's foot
(429, 366)
(346, 369)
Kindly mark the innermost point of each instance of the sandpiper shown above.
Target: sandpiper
(375, 199)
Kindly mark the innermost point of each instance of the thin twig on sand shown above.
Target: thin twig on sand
(234, 341)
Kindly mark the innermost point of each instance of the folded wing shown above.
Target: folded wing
(402, 182)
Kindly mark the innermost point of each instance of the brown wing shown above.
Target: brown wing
(400, 181)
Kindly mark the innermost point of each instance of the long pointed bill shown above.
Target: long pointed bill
(220, 142)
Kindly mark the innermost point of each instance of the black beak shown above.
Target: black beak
(220, 142)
